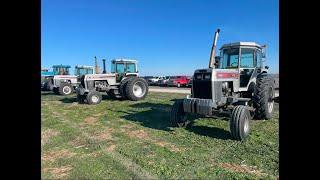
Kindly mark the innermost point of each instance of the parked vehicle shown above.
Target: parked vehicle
(155, 80)
(190, 82)
(164, 81)
(178, 81)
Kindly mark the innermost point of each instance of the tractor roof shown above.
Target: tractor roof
(124, 60)
(252, 44)
(61, 66)
(84, 67)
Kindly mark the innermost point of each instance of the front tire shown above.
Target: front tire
(136, 89)
(80, 98)
(178, 117)
(263, 97)
(94, 97)
(55, 90)
(65, 89)
(239, 122)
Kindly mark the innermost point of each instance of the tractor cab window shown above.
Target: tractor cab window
(83, 71)
(120, 67)
(259, 58)
(247, 58)
(131, 68)
(64, 71)
(229, 58)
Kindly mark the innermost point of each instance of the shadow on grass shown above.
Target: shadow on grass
(157, 116)
(212, 132)
(69, 100)
(74, 99)
(45, 93)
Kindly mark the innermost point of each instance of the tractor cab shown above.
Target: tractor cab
(123, 68)
(61, 69)
(83, 70)
(246, 57)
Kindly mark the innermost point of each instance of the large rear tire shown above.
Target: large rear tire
(65, 89)
(136, 89)
(94, 97)
(178, 117)
(239, 122)
(263, 97)
(122, 88)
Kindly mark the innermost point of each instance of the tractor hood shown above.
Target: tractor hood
(217, 74)
(225, 74)
(65, 77)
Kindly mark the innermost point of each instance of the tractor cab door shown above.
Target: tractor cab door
(122, 68)
(120, 71)
(248, 64)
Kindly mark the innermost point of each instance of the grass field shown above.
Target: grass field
(133, 140)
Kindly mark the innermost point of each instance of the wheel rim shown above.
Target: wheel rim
(246, 125)
(94, 98)
(270, 100)
(178, 85)
(139, 89)
(66, 90)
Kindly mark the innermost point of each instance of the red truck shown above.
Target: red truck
(178, 81)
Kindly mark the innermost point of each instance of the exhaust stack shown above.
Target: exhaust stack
(213, 49)
(104, 66)
(97, 69)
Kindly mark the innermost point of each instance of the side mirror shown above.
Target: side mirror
(267, 67)
(217, 61)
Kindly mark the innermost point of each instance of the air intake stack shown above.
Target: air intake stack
(213, 49)
(104, 66)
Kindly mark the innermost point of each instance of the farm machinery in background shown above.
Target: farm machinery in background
(46, 76)
(61, 82)
(122, 83)
(236, 84)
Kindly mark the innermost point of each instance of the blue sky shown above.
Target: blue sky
(167, 37)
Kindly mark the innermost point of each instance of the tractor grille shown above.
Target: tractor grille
(202, 89)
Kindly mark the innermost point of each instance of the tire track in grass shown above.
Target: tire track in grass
(137, 170)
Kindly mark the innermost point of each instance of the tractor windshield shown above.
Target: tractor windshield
(229, 58)
(123, 67)
(83, 71)
(61, 71)
(131, 68)
(247, 58)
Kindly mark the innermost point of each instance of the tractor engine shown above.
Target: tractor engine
(101, 85)
(215, 84)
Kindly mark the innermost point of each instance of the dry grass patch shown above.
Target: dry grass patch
(58, 172)
(90, 120)
(141, 134)
(105, 134)
(47, 134)
(242, 169)
(111, 148)
(53, 155)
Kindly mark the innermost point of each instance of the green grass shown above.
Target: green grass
(133, 140)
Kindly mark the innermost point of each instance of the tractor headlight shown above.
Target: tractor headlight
(207, 76)
(199, 76)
